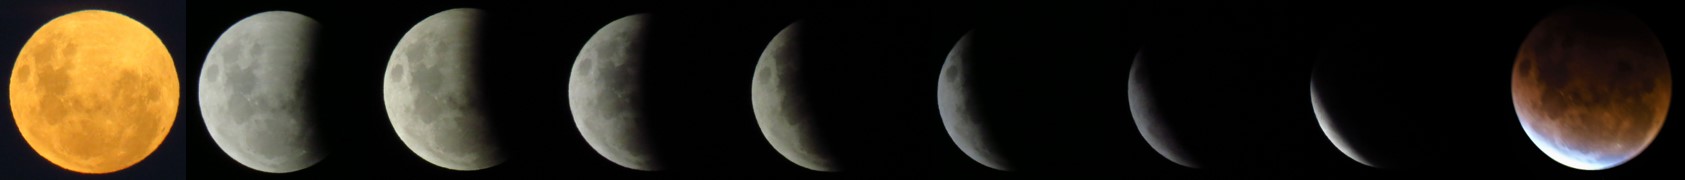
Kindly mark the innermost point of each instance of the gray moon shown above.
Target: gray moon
(1147, 117)
(1591, 87)
(1334, 134)
(960, 112)
(605, 94)
(252, 92)
(781, 106)
(432, 96)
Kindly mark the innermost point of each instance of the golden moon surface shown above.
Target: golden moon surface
(94, 91)
(1591, 87)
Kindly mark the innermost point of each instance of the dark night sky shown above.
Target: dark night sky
(166, 18)
(1058, 87)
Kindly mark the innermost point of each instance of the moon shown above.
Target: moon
(433, 97)
(252, 92)
(94, 91)
(1330, 128)
(1143, 107)
(606, 95)
(780, 103)
(1591, 87)
(1350, 96)
(960, 114)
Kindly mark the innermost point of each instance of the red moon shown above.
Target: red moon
(1591, 87)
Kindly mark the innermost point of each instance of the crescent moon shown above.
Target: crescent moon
(1148, 120)
(1327, 124)
(959, 112)
(781, 106)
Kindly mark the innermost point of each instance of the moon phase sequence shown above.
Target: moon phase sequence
(1587, 103)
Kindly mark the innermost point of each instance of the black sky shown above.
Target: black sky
(1056, 85)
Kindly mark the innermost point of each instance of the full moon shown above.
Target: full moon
(1591, 87)
(94, 91)
(780, 104)
(432, 93)
(605, 93)
(959, 112)
(252, 92)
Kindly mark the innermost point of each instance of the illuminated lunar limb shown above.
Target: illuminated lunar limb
(781, 104)
(606, 95)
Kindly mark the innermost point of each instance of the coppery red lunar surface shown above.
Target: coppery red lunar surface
(1591, 87)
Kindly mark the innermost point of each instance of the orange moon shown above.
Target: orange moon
(94, 91)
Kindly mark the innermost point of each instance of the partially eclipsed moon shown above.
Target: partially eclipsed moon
(960, 114)
(1148, 117)
(94, 91)
(433, 97)
(253, 95)
(781, 107)
(1591, 87)
(1327, 123)
(605, 94)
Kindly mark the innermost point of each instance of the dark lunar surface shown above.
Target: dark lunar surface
(1359, 80)
(1211, 84)
(1592, 86)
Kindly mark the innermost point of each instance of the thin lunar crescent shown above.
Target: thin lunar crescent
(252, 92)
(605, 94)
(781, 106)
(432, 95)
(959, 112)
(1327, 122)
(1143, 107)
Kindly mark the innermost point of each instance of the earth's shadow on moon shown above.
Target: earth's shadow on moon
(1044, 92)
(1356, 80)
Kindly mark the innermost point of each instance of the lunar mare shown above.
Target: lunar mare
(432, 95)
(606, 95)
(780, 104)
(1591, 87)
(253, 94)
(960, 114)
(94, 91)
